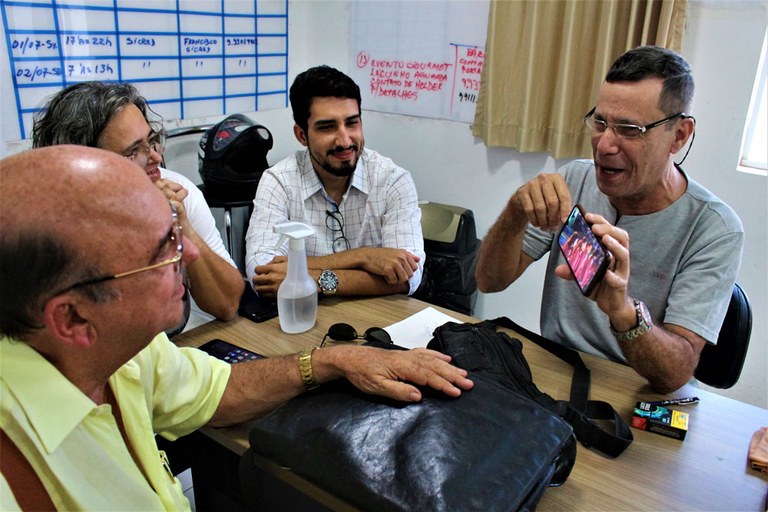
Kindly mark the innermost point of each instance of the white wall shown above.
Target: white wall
(449, 165)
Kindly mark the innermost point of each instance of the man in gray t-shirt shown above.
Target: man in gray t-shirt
(683, 243)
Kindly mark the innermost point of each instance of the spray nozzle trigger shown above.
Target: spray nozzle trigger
(296, 232)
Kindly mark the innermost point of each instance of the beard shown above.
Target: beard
(342, 170)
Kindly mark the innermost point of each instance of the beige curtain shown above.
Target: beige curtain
(545, 61)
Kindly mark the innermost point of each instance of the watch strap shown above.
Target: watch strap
(305, 368)
(642, 326)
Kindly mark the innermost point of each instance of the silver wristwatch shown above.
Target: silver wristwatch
(328, 282)
(644, 324)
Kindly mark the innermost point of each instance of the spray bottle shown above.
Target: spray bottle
(297, 294)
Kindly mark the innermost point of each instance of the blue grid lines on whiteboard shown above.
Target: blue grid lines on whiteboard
(190, 59)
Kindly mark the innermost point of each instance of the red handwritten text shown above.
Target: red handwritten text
(406, 79)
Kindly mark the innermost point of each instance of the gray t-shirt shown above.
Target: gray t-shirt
(683, 262)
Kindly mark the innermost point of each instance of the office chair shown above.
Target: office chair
(720, 365)
(451, 246)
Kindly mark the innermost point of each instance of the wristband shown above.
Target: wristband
(305, 368)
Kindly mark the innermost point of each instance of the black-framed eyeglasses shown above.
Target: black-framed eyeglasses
(345, 332)
(175, 242)
(625, 131)
(334, 221)
(155, 143)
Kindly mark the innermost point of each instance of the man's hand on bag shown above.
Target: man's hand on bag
(391, 373)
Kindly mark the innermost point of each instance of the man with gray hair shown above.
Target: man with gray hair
(685, 242)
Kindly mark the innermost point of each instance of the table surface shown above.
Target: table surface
(706, 471)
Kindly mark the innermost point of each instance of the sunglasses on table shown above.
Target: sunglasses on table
(347, 333)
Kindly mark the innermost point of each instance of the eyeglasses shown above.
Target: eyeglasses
(142, 151)
(175, 241)
(345, 332)
(334, 221)
(625, 131)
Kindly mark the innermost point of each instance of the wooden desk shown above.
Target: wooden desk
(706, 471)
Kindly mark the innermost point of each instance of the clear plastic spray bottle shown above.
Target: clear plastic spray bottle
(297, 294)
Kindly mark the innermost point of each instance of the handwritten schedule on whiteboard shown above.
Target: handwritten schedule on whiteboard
(419, 58)
(189, 58)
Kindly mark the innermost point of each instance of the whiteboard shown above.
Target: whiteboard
(190, 58)
(420, 58)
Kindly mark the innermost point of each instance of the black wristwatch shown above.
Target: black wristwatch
(644, 324)
(328, 282)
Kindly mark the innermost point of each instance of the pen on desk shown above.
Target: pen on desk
(676, 401)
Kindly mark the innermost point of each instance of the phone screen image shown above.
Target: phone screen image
(585, 255)
(228, 352)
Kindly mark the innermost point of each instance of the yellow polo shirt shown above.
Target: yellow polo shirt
(75, 446)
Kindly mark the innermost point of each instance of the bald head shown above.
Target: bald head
(61, 187)
(62, 209)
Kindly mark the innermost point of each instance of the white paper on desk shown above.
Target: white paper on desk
(416, 330)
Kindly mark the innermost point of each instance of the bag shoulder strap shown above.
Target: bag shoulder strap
(579, 411)
(28, 489)
(581, 374)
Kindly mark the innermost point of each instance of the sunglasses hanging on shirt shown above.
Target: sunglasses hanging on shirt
(347, 333)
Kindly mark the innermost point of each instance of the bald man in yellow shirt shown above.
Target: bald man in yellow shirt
(88, 277)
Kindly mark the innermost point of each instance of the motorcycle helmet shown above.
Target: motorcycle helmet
(233, 155)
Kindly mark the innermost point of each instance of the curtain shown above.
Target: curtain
(546, 59)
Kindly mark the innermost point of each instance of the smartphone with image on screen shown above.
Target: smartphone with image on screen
(583, 252)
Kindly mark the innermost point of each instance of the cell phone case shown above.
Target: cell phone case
(256, 308)
(583, 252)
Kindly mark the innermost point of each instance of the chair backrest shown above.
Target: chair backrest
(720, 365)
(451, 245)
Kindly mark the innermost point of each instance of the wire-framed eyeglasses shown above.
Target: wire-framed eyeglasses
(141, 151)
(175, 243)
(346, 333)
(334, 221)
(625, 131)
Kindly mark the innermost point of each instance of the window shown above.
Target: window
(754, 147)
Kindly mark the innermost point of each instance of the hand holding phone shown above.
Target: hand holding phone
(583, 252)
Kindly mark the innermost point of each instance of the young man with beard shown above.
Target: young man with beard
(684, 243)
(363, 207)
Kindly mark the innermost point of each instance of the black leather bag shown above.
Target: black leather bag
(497, 447)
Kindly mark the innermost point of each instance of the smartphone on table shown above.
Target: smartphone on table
(583, 252)
(228, 352)
(256, 308)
